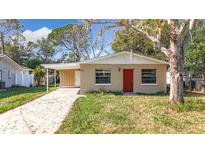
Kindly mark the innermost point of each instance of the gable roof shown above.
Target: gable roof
(11, 61)
(124, 58)
(117, 58)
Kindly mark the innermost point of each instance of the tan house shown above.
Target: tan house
(124, 71)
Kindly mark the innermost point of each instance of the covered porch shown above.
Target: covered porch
(69, 74)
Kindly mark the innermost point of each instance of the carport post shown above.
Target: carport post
(47, 80)
(55, 78)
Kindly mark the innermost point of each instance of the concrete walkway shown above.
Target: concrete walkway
(43, 115)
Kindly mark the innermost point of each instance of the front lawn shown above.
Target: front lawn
(111, 113)
(13, 97)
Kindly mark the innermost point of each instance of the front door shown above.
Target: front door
(127, 80)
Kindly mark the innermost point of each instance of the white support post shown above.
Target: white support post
(47, 80)
(55, 78)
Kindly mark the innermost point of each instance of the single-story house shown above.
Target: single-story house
(123, 71)
(13, 74)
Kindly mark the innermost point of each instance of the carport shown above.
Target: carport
(69, 74)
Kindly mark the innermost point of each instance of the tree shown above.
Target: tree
(33, 62)
(18, 49)
(8, 26)
(77, 43)
(39, 73)
(195, 53)
(45, 50)
(179, 32)
(127, 39)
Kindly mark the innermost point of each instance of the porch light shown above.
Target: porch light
(119, 69)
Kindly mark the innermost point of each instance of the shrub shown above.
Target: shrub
(39, 73)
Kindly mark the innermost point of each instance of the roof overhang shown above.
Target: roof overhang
(62, 66)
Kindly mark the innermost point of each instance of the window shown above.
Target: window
(103, 76)
(148, 76)
(9, 74)
(0, 75)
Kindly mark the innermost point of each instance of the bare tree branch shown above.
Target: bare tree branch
(188, 34)
(182, 27)
(91, 21)
(165, 51)
(152, 38)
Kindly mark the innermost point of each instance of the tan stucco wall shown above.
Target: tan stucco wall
(67, 78)
(87, 77)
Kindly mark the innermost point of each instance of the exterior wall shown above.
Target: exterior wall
(87, 73)
(28, 80)
(68, 78)
(77, 78)
(17, 77)
(5, 67)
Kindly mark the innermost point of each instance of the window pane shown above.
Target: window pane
(9, 74)
(148, 75)
(103, 76)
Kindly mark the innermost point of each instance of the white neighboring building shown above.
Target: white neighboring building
(168, 78)
(12, 74)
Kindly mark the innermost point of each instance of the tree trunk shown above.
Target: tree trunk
(176, 74)
(2, 43)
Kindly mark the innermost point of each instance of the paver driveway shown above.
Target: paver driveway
(43, 115)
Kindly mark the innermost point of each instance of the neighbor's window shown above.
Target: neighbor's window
(103, 76)
(9, 74)
(0, 75)
(148, 76)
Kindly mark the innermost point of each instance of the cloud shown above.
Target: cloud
(33, 36)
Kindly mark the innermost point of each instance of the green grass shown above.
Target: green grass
(111, 113)
(13, 97)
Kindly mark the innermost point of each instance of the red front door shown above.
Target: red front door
(127, 80)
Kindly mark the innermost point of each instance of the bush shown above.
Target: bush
(39, 73)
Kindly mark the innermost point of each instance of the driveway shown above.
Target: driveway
(42, 115)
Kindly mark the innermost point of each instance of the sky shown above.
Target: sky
(38, 28)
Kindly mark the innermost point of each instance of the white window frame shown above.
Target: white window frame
(9, 74)
(103, 84)
(149, 83)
